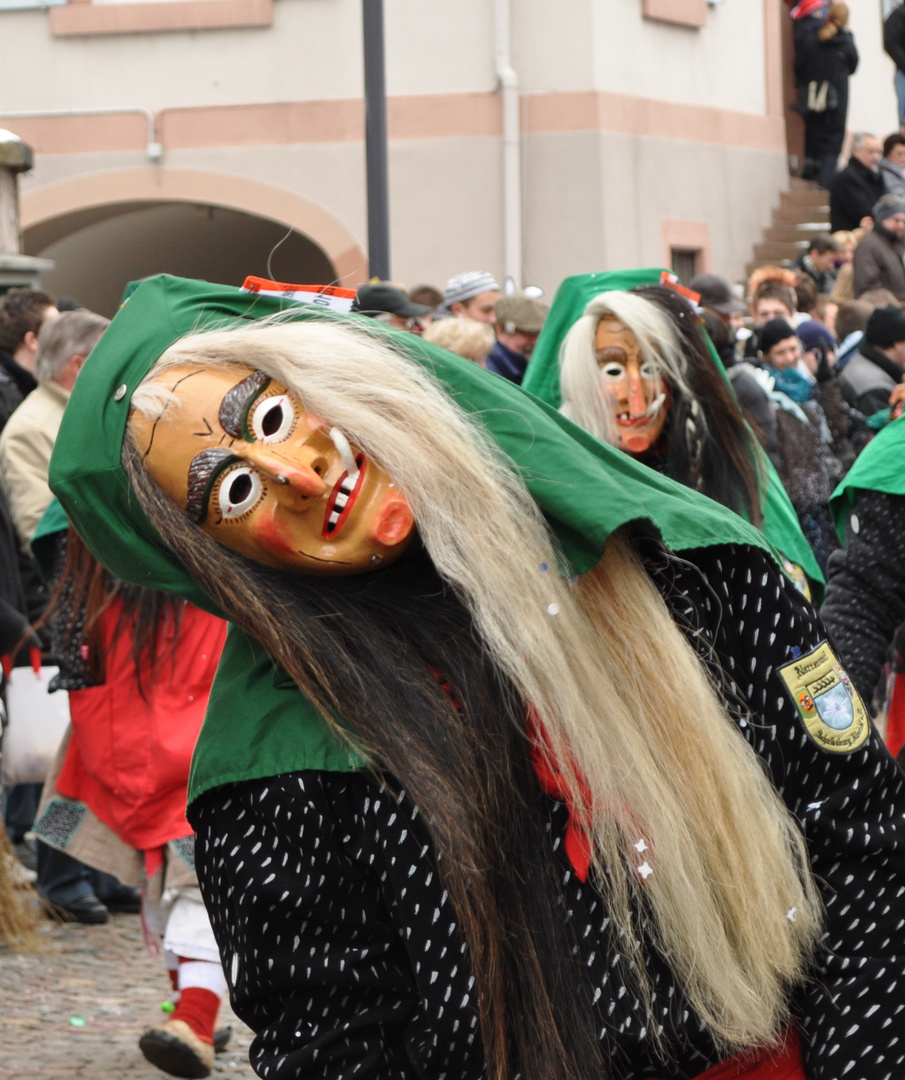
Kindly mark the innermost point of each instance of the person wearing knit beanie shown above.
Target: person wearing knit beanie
(774, 336)
(878, 258)
(877, 368)
(472, 294)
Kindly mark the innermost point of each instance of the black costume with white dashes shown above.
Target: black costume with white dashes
(865, 592)
(340, 944)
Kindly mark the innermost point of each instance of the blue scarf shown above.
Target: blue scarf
(792, 383)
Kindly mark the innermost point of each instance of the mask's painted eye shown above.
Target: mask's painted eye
(649, 371)
(611, 371)
(239, 490)
(272, 419)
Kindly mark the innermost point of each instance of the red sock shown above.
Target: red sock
(198, 1008)
(174, 978)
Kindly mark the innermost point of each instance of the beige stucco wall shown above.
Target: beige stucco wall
(313, 51)
(616, 219)
(872, 104)
(722, 63)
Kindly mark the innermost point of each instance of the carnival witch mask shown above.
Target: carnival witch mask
(239, 454)
(632, 387)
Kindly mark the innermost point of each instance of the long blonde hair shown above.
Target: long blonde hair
(626, 704)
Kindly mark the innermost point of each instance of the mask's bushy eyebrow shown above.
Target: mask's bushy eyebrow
(235, 403)
(204, 469)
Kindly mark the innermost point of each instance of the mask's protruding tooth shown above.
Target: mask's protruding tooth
(345, 452)
(656, 405)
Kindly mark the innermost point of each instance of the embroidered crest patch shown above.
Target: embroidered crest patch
(833, 712)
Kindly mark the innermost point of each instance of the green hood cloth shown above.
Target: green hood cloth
(780, 522)
(585, 489)
(879, 467)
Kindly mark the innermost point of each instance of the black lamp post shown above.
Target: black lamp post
(376, 140)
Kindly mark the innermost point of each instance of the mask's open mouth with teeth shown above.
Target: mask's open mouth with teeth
(342, 499)
(650, 414)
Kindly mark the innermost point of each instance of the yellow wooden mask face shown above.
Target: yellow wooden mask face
(633, 386)
(249, 466)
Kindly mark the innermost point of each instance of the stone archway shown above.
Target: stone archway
(106, 229)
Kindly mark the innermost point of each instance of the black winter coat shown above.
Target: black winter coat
(829, 61)
(853, 195)
(15, 385)
(894, 37)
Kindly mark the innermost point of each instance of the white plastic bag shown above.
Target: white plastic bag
(36, 723)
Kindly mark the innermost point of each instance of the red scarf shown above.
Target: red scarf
(782, 1064)
(552, 781)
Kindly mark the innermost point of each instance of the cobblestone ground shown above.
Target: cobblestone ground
(77, 1008)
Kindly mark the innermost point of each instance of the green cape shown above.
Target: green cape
(585, 489)
(879, 467)
(780, 522)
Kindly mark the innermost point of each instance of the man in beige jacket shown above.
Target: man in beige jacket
(27, 440)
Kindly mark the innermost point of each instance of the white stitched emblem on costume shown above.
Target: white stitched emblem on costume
(832, 711)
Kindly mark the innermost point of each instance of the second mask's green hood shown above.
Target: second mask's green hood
(572, 297)
(780, 522)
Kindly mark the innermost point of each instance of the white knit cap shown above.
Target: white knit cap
(463, 287)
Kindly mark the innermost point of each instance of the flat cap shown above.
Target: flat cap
(716, 293)
(519, 312)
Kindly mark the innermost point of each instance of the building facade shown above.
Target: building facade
(532, 138)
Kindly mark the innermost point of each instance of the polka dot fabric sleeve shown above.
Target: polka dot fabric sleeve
(850, 806)
(865, 595)
(313, 962)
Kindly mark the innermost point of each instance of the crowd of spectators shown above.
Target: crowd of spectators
(813, 349)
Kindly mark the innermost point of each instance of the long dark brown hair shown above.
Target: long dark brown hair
(85, 591)
(710, 446)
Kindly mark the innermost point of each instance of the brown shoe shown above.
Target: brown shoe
(176, 1049)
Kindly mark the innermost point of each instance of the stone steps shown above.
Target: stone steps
(803, 212)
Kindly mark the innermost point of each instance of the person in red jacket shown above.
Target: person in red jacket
(138, 665)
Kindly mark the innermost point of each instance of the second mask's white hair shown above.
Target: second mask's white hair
(584, 397)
